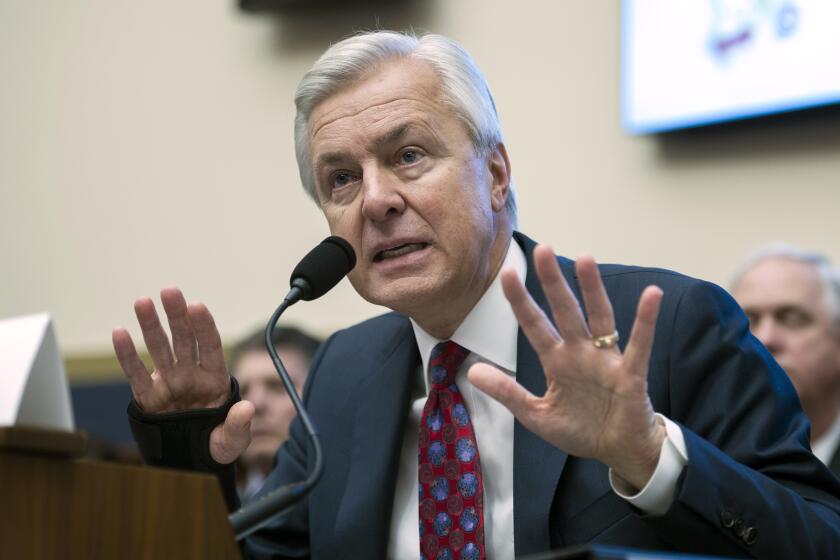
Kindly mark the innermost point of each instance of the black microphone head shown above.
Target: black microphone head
(323, 267)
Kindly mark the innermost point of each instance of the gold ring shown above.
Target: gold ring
(606, 341)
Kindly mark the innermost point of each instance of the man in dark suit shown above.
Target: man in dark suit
(792, 299)
(587, 426)
(251, 365)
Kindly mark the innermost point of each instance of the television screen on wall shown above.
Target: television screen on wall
(697, 62)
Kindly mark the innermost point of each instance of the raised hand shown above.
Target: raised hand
(189, 374)
(596, 403)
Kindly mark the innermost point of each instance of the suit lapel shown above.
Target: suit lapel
(362, 523)
(537, 465)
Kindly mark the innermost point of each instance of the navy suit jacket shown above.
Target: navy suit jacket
(751, 486)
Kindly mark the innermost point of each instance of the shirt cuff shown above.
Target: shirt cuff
(656, 497)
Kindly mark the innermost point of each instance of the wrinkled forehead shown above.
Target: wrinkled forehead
(392, 80)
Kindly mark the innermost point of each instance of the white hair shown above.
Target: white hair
(463, 89)
(829, 274)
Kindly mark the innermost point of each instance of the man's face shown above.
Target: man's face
(397, 176)
(785, 303)
(260, 384)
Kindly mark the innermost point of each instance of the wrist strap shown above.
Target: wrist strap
(179, 439)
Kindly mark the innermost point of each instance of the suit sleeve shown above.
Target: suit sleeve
(751, 485)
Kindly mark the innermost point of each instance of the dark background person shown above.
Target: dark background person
(792, 299)
(260, 384)
(399, 142)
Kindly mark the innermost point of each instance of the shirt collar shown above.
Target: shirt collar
(825, 446)
(490, 329)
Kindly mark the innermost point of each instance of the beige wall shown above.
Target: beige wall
(144, 144)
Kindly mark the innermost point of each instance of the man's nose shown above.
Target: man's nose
(382, 195)
(257, 396)
(767, 331)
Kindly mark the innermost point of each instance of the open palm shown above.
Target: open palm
(596, 403)
(189, 374)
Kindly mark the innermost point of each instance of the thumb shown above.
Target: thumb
(230, 438)
(503, 388)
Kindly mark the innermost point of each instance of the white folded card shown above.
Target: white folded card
(35, 390)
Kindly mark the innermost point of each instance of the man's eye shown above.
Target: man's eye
(794, 318)
(276, 387)
(407, 157)
(342, 179)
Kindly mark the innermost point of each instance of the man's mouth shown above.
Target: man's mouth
(398, 251)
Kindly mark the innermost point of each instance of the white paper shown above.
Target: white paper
(35, 390)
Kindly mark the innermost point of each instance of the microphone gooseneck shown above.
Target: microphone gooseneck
(316, 274)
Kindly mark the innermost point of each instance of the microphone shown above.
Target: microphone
(322, 268)
(316, 274)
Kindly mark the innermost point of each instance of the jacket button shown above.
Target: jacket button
(750, 534)
(727, 519)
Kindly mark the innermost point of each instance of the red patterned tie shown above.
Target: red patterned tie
(451, 497)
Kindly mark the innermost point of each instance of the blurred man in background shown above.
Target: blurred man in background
(792, 299)
(260, 384)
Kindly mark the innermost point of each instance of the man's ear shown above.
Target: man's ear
(499, 166)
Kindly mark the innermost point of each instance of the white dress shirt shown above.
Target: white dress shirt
(254, 480)
(489, 332)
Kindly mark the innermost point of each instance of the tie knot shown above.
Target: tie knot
(444, 362)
